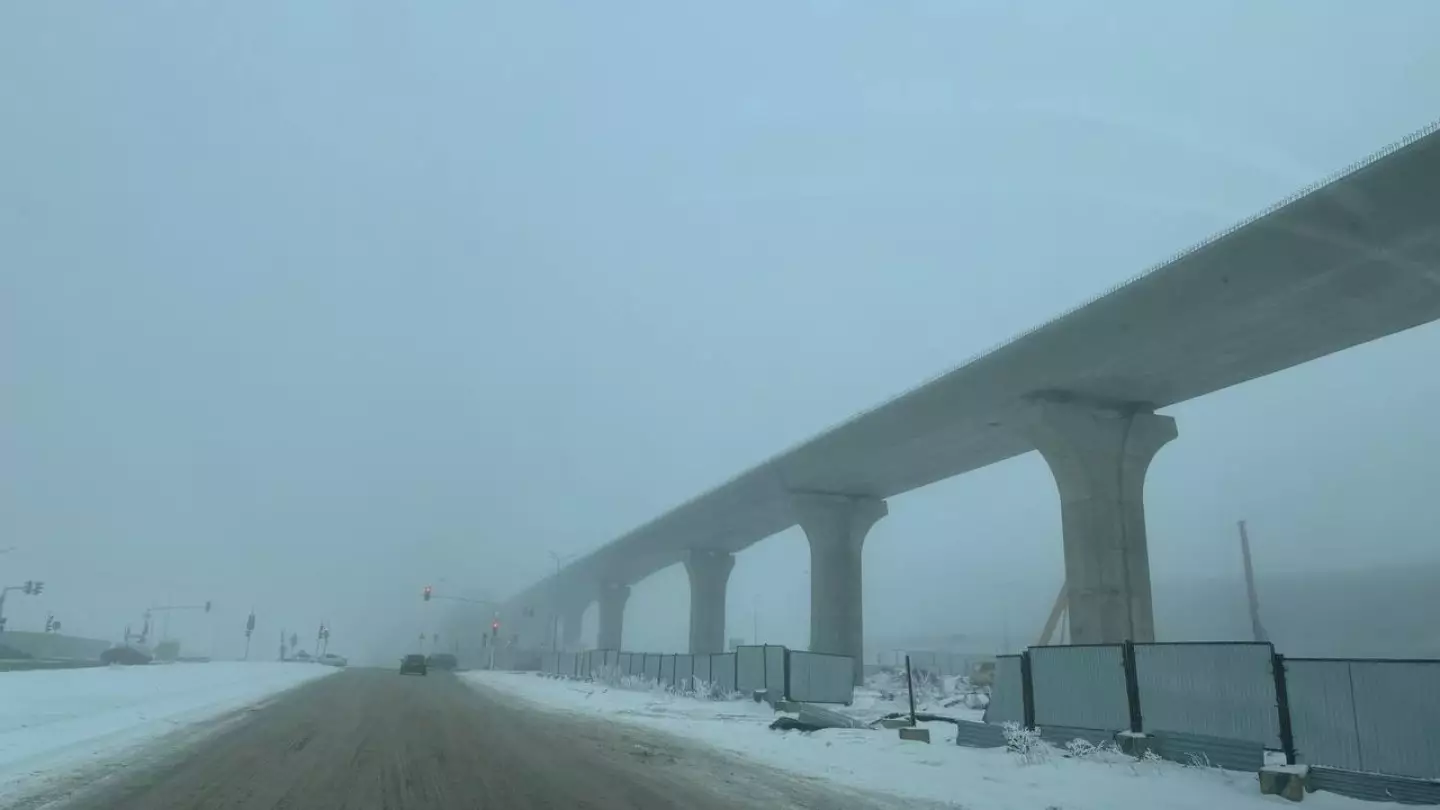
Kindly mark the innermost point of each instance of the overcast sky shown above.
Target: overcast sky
(305, 305)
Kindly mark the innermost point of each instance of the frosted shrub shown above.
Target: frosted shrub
(1025, 743)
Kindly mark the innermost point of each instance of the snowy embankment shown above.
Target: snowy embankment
(55, 721)
(879, 761)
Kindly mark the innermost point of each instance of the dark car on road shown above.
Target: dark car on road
(443, 661)
(413, 665)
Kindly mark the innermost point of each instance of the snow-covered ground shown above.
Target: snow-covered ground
(53, 722)
(877, 760)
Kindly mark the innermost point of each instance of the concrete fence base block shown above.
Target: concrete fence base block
(895, 722)
(1285, 781)
(1136, 745)
(915, 734)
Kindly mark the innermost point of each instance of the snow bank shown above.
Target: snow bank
(879, 761)
(53, 721)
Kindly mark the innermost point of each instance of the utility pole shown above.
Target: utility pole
(1254, 599)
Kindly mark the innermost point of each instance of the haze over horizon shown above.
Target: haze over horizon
(303, 307)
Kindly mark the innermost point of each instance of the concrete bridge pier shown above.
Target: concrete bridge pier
(1099, 457)
(572, 617)
(613, 596)
(709, 572)
(836, 526)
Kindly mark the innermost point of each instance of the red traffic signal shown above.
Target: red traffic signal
(427, 593)
(495, 627)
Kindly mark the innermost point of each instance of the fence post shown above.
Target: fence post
(1282, 706)
(787, 674)
(1027, 690)
(1132, 688)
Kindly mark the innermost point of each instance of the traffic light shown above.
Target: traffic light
(495, 628)
(29, 587)
(207, 605)
(427, 593)
(39, 586)
(50, 623)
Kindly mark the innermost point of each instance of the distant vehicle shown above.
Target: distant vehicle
(332, 660)
(302, 656)
(444, 661)
(413, 665)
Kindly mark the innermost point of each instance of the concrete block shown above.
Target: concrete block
(915, 734)
(895, 722)
(1285, 781)
(1134, 744)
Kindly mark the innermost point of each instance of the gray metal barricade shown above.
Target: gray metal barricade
(652, 667)
(749, 668)
(722, 672)
(684, 673)
(1366, 715)
(1007, 693)
(667, 671)
(820, 678)
(775, 661)
(1080, 686)
(702, 672)
(1219, 690)
(622, 663)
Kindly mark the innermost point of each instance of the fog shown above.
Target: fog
(304, 306)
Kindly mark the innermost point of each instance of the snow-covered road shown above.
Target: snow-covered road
(878, 761)
(53, 722)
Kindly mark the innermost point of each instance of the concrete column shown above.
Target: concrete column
(613, 596)
(836, 526)
(709, 572)
(1099, 458)
(572, 616)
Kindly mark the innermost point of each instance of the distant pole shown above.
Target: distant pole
(1256, 628)
(910, 687)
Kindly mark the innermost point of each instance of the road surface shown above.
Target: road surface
(367, 739)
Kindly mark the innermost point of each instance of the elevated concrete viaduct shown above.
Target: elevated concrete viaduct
(1348, 261)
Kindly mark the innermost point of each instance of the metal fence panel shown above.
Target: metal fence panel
(749, 668)
(702, 670)
(652, 667)
(775, 669)
(612, 658)
(667, 671)
(820, 678)
(1374, 787)
(1322, 713)
(1080, 687)
(684, 673)
(1061, 736)
(1397, 716)
(622, 663)
(1007, 693)
(722, 672)
(979, 735)
(1204, 750)
(549, 663)
(1218, 690)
